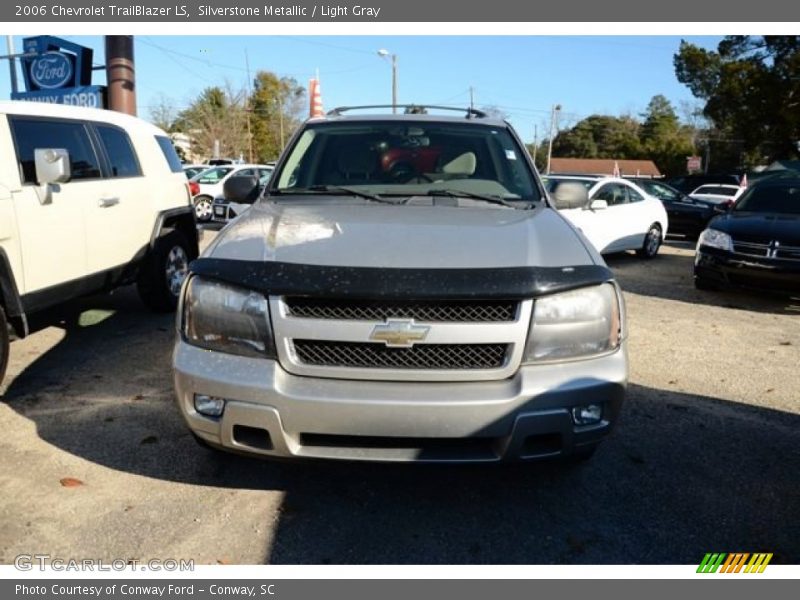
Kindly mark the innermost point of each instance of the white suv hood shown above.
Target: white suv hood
(331, 233)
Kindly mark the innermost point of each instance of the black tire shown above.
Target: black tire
(701, 283)
(4, 344)
(163, 271)
(203, 208)
(652, 242)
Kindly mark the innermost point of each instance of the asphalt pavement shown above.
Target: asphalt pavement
(98, 463)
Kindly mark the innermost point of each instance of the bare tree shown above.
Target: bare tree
(217, 119)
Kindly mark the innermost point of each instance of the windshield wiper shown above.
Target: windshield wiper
(336, 190)
(472, 196)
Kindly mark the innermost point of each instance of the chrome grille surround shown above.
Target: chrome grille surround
(295, 337)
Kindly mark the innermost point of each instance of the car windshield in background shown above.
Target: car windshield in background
(213, 175)
(782, 199)
(660, 191)
(405, 159)
(717, 190)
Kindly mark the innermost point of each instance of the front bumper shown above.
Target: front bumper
(273, 413)
(737, 270)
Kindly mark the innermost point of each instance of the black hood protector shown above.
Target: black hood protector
(279, 278)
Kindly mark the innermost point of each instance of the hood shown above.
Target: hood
(760, 227)
(357, 234)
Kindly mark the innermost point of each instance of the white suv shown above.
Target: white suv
(89, 200)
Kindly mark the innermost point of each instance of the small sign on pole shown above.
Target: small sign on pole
(694, 164)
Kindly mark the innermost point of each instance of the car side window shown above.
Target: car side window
(634, 196)
(122, 160)
(31, 133)
(613, 193)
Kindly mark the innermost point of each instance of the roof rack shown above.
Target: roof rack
(471, 113)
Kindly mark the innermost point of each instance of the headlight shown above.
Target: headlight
(227, 319)
(715, 239)
(575, 324)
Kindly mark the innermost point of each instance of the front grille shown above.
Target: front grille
(750, 248)
(770, 250)
(422, 356)
(468, 311)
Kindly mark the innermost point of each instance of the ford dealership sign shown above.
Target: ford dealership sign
(51, 70)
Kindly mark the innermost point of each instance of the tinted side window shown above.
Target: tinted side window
(30, 134)
(121, 157)
(169, 153)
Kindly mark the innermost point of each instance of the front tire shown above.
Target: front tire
(4, 344)
(162, 274)
(203, 208)
(652, 242)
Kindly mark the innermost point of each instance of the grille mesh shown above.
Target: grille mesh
(474, 311)
(421, 356)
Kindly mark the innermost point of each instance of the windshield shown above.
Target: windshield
(771, 199)
(717, 190)
(660, 191)
(213, 175)
(405, 159)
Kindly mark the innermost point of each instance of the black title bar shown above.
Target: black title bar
(372, 11)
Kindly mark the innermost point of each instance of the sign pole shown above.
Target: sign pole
(121, 74)
(12, 64)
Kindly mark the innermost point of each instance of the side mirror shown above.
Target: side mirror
(570, 195)
(598, 205)
(243, 189)
(52, 165)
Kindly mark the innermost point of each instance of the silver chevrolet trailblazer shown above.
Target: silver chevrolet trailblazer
(404, 290)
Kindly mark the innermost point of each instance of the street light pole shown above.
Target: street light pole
(383, 53)
(553, 128)
(394, 83)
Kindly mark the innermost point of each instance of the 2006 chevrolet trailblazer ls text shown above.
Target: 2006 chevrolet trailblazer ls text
(404, 291)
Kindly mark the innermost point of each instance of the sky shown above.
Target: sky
(524, 76)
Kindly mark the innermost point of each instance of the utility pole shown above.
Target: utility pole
(535, 144)
(121, 74)
(471, 98)
(248, 110)
(553, 129)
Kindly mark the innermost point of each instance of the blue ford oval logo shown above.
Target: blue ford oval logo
(51, 70)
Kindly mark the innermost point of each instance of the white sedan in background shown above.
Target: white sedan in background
(718, 193)
(618, 215)
(210, 182)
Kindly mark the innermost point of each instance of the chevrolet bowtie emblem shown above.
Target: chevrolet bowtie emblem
(399, 334)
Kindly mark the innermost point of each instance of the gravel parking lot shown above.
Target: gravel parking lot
(705, 457)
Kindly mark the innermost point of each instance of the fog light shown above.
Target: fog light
(587, 415)
(209, 406)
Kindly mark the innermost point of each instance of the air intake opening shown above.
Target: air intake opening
(255, 437)
(474, 448)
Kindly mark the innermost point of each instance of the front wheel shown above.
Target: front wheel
(162, 274)
(4, 338)
(652, 242)
(203, 208)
